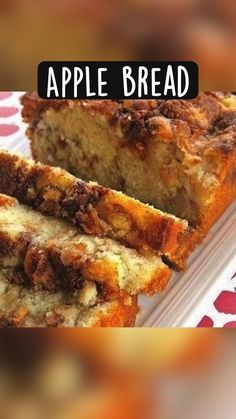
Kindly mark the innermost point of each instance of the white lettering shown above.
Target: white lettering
(183, 70)
(78, 76)
(127, 76)
(66, 76)
(142, 81)
(88, 87)
(52, 83)
(154, 82)
(101, 82)
(169, 82)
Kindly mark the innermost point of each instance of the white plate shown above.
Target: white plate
(189, 294)
(186, 299)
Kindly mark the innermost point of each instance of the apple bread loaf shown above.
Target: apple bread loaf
(178, 155)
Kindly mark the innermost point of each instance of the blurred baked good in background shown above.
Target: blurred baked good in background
(202, 31)
(89, 375)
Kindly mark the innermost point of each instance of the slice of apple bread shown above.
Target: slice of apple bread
(95, 210)
(55, 256)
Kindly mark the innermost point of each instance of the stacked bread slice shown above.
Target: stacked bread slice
(74, 253)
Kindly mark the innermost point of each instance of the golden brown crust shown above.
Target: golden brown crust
(122, 315)
(181, 121)
(94, 209)
(224, 196)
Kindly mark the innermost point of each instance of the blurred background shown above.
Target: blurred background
(200, 30)
(105, 374)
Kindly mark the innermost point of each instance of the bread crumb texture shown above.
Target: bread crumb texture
(173, 154)
(54, 255)
(23, 307)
